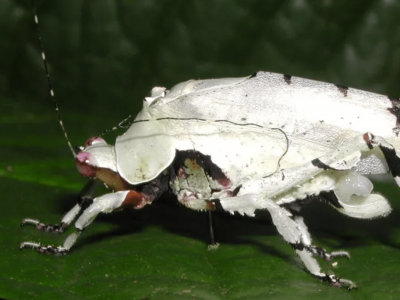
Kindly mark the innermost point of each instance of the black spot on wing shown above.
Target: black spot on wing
(392, 160)
(343, 89)
(319, 164)
(287, 78)
(395, 110)
(253, 75)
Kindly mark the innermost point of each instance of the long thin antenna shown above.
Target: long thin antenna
(49, 80)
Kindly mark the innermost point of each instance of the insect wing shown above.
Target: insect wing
(317, 117)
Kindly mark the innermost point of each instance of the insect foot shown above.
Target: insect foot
(46, 227)
(50, 249)
(56, 251)
(328, 256)
(338, 282)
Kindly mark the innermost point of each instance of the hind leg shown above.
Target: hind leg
(295, 232)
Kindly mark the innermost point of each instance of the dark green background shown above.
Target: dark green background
(104, 57)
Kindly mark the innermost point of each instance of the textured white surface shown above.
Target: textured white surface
(264, 132)
(312, 117)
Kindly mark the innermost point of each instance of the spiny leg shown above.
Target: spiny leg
(104, 204)
(86, 196)
(306, 243)
(314, 268)
(295, 233)
(257, 194)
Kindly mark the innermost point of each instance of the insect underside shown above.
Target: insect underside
(266, 141)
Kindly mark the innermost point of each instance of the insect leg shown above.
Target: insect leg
(104, 204)
(306, 243)
(85, 199)
(294, 231)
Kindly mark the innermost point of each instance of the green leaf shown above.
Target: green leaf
(104, 57)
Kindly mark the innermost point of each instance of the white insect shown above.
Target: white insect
(266, 141)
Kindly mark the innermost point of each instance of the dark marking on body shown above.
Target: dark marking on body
(392, 159)
(343, 89)
(319, 164)
(85, 202)
(236, 190)
(297, 246)
(368, 140)
(287, 78)
(315, 251)
(143, 194)
(324, 196)
(52, 228)
(295, 207)
(253, 75)
(395, 110)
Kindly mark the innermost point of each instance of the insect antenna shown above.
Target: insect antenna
(123, 124)
(49, 80)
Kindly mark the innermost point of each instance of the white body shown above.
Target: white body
(271, 139)
(315, 117)
(253, 127)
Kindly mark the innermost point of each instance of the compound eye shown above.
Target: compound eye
(94, 140)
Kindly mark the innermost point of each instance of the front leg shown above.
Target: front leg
(86, 196)
(104, 204)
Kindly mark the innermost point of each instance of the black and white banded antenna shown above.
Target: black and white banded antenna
(49, 80)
